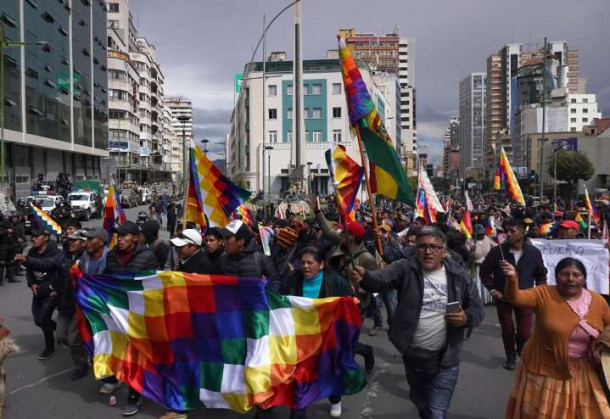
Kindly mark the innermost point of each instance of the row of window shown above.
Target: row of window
(583, 120)
(312, 89)
(584, 100)
(310, 113)
(315, 138)
(585, 110)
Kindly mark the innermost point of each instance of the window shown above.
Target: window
(336, 88)
(585, 120)
(272, 90)
(317, 113)
(317, 137)
(113, 7)
(585, 110)
(316, 89)
(289, 136)
(289, 113)
(572, 119)
(113, 24)
(336, 112)
(307, 137)
(572, 110)
(272, 113)
(585, 100)
(337, 137)
(289, 90)
(572, 100)
(273, 137)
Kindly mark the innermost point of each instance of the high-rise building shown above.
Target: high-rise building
(451, 146)
(183, 131)
(55, 92)
(392, 53)
(326, 120)
(472, 125)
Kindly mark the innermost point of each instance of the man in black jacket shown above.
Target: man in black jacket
(43, 285)
(437, 302)
(67, 329)
(149, 236)
(527, 259)
(214, 249)
(192, 258)
(128, 256)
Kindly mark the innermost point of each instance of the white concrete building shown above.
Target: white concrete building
(183, 132)
(325, 117)
(582, 109)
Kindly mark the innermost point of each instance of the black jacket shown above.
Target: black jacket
(250, 262)
(530, 268)
(216, 261)
(198, 263)
(61, 262)
(144, 259)
(406, 277)
(46, 279)
(333, 285)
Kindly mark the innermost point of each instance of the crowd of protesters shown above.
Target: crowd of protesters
(428, 278)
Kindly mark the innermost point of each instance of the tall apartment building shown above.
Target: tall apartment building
(136, 101)
(55, 97)
(502, 97)
(451, 148)
(472, 125)
(325, 115)
(182, 132)
(392, 53)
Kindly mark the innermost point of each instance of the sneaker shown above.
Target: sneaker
(511, 362)
(369, 361)
(335, 410)
(174, 415)
(79, 372)
(133, 406)
(46, 354)
(109, 388)
(373, 331)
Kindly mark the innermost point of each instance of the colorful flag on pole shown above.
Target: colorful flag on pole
(246, 214)
(591, 207)
(581, 222)
(387, 174)
(422, 207)
(548, 228)
(434, 204)
(505, 172)
(186, 340)
(266, 232)
(347, 177)
(112, 210)
(466, 225)
(469, 205)
(210, 193)
(45, 221)
(490, 228)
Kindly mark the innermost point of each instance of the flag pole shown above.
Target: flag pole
(589, 227)
(368, 190)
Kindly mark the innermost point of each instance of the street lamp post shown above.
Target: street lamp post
(3, 45)
(205, 142)
(309, 179)
(268, 148)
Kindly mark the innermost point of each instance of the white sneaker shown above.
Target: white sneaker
(109, 388)
(335, 410)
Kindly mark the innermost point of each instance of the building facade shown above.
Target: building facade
(326, 120)
(392, 53)
(472, 125)
(182, 131)
(451, 148)
(56, 92)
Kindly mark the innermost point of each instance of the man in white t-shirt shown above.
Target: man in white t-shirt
(427, 329)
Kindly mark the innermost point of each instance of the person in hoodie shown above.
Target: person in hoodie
(214, 249)
(244, 257)
(43, 285)
(67, 329)
(149, 235)
(129, 255)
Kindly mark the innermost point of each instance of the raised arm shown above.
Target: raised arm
(521, 298)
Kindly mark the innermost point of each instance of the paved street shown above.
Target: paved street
(38, 389)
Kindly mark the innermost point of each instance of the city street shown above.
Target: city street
(43, 389)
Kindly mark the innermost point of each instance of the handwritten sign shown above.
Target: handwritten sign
(591, 253)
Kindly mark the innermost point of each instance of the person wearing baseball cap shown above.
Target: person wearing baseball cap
(93, 260)
(568, 229)
(149, 236)
(192, 257)
(244, 256)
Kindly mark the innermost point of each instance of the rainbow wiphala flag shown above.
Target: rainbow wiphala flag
(45, 221)
(505, 179)
(185, 340)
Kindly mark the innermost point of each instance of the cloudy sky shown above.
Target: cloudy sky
(201, 44)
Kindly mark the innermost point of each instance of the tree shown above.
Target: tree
(571, 167)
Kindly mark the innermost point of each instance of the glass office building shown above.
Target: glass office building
(56, 94)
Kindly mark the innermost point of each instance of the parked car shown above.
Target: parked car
(49, 202)
(83, 204)
(129, 198)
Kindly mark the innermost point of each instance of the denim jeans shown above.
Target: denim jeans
(42, 310)
(432, 395)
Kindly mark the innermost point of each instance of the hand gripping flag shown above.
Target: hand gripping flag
(186, 340)
(45, 221)
(347, 176)
(506, 173)
(210, 193)
(388, 176)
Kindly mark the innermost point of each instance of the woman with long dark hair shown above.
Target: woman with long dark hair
(557, 376)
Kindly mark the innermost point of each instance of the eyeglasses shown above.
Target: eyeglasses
(431, 247)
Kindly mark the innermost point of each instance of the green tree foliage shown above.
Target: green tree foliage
(571, 167)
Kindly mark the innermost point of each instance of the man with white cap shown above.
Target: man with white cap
(192, 258)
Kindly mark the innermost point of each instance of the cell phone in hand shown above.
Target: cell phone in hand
(453, 307)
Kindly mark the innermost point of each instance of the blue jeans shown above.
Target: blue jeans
(432, 395)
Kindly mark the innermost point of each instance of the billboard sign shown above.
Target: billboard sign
(565, 144)
(239, 77)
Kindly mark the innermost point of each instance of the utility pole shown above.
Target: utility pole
(264, 113)
(298, 142)
(542, 139)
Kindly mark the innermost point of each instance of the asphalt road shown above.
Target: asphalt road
(43, 389)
